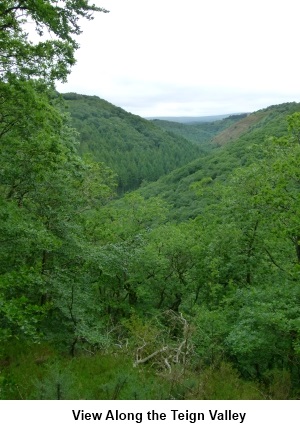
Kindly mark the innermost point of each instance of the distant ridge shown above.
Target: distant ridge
(192, 119)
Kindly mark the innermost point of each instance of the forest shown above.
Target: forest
(140, 259)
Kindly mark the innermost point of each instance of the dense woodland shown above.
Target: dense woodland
(140, 259)
(131, 146)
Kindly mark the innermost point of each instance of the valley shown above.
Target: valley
(140, 259)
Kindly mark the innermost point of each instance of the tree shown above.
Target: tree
(56, 24)
(46, 189)
(121, 231)
(46, 193)
(263, 204)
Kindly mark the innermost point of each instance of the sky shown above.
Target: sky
(191, 57)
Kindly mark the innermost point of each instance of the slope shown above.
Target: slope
(178, 187)
(136, 149)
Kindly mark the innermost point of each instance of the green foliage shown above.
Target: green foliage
(95, 376)
(211, 328)
(178, 187)
(187, 288)
(46, 189)
(45, 194)
(136, 149)
(224, 383)
(55, 25)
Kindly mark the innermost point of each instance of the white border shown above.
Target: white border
(52, 415)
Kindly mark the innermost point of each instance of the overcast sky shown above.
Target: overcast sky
(190, 57)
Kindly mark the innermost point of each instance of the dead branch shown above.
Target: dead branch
(145, 359)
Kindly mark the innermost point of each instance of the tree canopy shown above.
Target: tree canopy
(45, 47)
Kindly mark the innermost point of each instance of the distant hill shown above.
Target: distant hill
(234, 151)
(191, 119)
(136, 149)
(201, 133)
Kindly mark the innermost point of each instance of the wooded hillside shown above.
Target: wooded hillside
(134, 148)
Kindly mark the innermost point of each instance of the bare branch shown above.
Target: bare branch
(144, 360)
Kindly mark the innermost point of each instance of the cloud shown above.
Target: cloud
(165, 58)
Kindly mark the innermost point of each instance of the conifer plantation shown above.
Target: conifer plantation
(139, 259)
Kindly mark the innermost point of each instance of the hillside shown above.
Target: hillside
(237, 141)
(136, 149)
(234, 131)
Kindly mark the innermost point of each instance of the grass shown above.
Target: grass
(40, 372)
